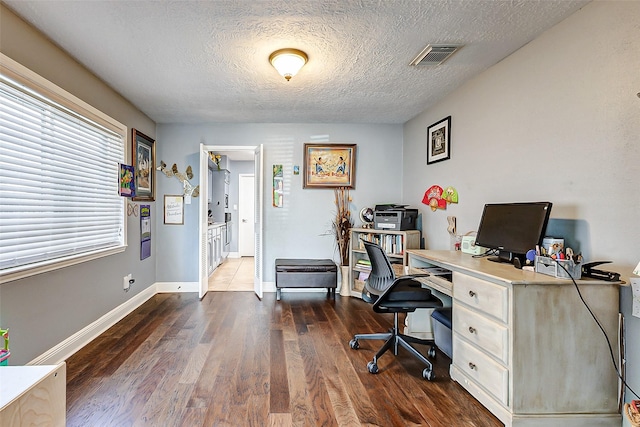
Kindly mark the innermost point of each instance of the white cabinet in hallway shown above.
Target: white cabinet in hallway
(215, 246)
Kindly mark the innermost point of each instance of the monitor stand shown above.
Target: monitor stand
(508, 257)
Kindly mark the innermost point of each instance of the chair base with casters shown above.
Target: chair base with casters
(395, 295)
(393, 340)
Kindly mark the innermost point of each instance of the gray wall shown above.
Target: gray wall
(43, 310)
(298, 229)
(558, 120)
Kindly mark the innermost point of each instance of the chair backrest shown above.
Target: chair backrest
(382, 274)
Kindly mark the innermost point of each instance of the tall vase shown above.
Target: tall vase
(345, 287)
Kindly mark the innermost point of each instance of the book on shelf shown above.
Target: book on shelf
(390, 243)
(363, 265)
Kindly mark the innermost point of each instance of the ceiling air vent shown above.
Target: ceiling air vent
(435, 54)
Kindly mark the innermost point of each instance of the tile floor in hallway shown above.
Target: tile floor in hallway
(234, 274)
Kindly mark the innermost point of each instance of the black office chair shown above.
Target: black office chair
(391, 294)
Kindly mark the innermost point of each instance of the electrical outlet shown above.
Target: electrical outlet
(126, 282)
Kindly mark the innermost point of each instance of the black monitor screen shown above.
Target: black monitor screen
(513, 228)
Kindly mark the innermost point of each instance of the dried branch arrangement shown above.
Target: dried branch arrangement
(342, 223)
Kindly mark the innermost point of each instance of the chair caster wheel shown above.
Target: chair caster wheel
(354, 344)
(432, 352)
(428, 374)
(372, 367)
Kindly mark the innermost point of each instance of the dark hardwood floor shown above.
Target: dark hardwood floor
(232, 360)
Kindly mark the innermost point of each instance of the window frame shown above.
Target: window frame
(17, 73)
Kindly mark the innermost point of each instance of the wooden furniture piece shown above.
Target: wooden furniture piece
(394, 243)
(306, 273)
(524, 344)
(33, 395)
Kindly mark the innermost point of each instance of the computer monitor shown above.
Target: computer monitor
(512, 229)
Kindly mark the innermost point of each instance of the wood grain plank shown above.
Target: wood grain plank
(322, 408)
(278, 379)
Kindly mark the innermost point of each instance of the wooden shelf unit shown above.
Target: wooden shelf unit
(394, 243)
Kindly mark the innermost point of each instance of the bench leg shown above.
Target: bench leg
(278, 294)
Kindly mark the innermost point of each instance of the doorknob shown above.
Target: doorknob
(244, 220)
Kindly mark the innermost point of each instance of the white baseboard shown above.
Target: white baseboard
(75, 342)
(165, 287)
(268, 286)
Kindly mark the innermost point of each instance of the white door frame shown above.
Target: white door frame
(202, 217)
(203, 247)
(258, 179)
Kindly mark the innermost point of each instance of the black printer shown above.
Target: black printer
(394, 217)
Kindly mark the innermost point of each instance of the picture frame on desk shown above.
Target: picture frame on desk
(439, 141)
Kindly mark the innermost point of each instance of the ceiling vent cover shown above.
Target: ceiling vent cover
(435, 54)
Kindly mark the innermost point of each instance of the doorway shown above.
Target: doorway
(254, 153)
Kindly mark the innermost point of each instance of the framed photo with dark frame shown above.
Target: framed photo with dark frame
(439, 141)
(143, 159)
(329, 166)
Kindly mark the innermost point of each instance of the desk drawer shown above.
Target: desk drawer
(482, 295)
(487, 334)
(479, 367)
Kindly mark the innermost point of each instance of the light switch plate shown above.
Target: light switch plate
(635, 291)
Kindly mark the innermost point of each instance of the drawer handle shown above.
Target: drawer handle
(472, 330)
(472, 366)
(472, 294)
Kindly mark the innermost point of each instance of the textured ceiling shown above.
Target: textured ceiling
(207, 61)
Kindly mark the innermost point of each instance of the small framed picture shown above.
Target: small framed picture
(439, 141)
(127, 182)
(173, 210)
(143, 158)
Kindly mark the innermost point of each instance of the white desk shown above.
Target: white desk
(525, 346)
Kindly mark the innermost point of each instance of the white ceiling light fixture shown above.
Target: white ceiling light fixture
(288, 61)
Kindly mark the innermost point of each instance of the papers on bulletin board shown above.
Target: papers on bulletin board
(635, 291)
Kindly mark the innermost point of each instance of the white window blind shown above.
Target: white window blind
(58, 181)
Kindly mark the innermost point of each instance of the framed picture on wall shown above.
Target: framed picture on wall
(143, 158)
(439, 141)
(173, 210)
(329, 165)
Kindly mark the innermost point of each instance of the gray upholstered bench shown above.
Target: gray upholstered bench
(306, 273)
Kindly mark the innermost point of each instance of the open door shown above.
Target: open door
(203, 278)
(259, 202)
